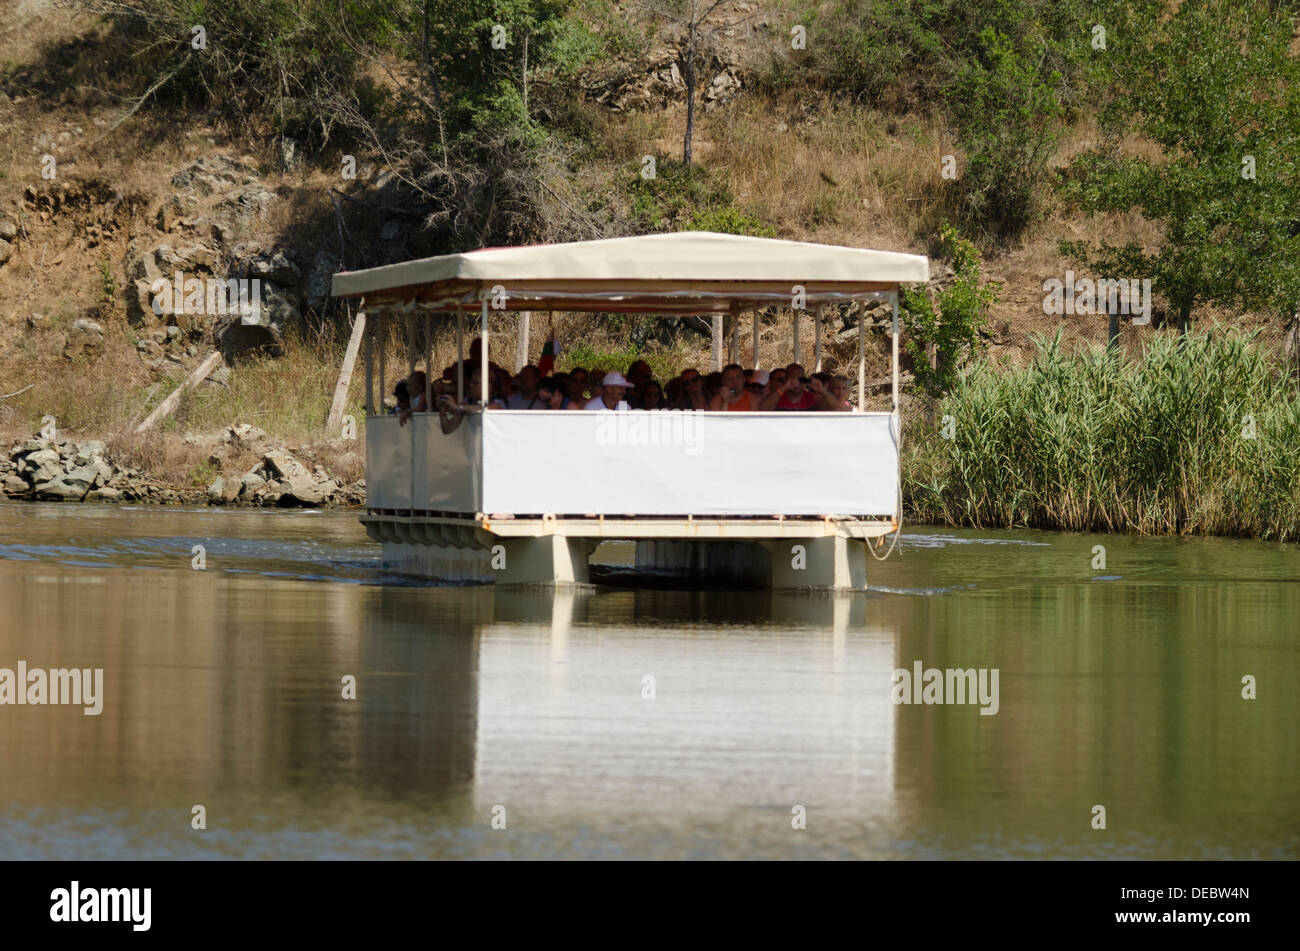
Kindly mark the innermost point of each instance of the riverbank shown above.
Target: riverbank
(243, 465)
(1196, 435)
(1186, 436)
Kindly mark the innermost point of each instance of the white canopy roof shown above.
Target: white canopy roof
(683, 272)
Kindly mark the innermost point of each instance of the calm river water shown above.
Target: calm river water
(1119, 687)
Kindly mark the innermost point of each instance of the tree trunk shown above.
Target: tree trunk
(690, 93)
(525, 76)
(1185, 318)
(1112, 331)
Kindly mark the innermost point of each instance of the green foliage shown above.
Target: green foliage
(1090, 442)
(663, 365)
(1004, 73)
(963, 312)
(107, 283)
(1006, 111)
(1212, 83)
(730, 220)
(689, 198)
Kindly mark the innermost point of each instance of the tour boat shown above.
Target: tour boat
(786, 499)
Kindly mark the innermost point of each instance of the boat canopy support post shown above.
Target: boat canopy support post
(755, 316)
(483, 354)
(817, 338)
(370, 365)
(410, 343)
(796, 335)
(862, 356)
(734, 356)
(521, 347)
(460, 357)
(717, 341)
(893, 299)
(428, 362)
(383, 340)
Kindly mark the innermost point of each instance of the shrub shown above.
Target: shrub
(954, 330)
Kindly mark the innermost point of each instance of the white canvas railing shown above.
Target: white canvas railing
(637, 463)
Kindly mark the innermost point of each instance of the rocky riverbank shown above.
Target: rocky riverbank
(53, 470)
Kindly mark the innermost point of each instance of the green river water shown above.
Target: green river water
(223, 687)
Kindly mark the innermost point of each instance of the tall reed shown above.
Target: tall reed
(1193, 435)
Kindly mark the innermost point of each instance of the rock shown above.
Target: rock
(279, 464)
(316, 288)
(249, 484)
(8, 229)
(85, 339)
(6, 249)
(307, 492)
(37, 321)
(217, 490)
(244, 436)
(88, 451)
(104, 494)
(289, 157)
(149, 349)
(43, 465)
(37, 444)
(278, 267)
(261, 330)
(59, 490)
(85, 478)
(13, 485)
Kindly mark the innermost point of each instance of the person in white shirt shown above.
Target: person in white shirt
(525, 394)
(613, 390)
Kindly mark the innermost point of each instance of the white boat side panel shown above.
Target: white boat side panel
(447, 475)
(388, 463)
(683, 463)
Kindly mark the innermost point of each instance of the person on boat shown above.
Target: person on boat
(672, 393)
(712, 386)
(692, 395)
(401, 393)
(414, 386)
(840, 388)
(578, 385)
(793, 393)
(613, 388)
(500, 378)
(652, 396)
(639, 374)
(525, 394)
(550, 395)
(819, 384)
(732, 397)
(450, 413)
(757, 385)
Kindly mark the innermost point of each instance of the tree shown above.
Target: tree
(692, 19)
(953, 331)
(1215, 85)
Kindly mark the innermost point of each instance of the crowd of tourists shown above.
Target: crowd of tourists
(734, 389)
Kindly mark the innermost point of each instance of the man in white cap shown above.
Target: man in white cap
(613, 388)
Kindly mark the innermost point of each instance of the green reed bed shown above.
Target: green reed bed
(1094, 441)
